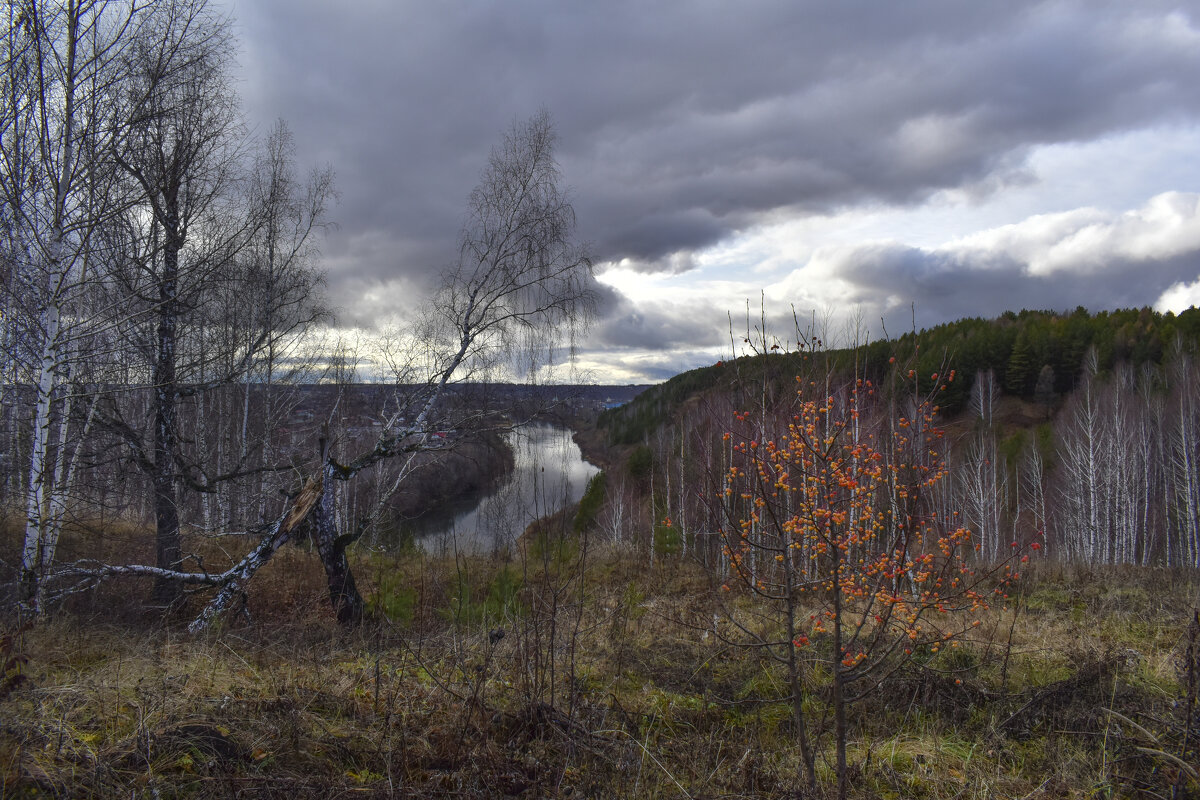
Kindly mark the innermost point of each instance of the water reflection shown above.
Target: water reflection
(549, 473)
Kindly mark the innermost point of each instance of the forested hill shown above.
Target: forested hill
(1035, 355)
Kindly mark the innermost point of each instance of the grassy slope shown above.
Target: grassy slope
(421, 706)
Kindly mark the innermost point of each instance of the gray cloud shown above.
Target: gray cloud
(1055, 262)
(623, 325)
(945, 289)
(682, 123)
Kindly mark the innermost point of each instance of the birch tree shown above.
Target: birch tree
(219, 262)
(519, 285)
(1183, 436)
(180, 151)
(981, 477)
(277, 285)
(63, 64)
(1078, 529)
(1107, 471)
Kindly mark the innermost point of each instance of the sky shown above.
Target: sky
(866, 165)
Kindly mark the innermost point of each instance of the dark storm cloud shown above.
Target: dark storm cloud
(652, 326)
(950, 285)
(651, 239)
(681, 123)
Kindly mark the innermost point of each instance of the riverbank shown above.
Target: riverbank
(593, 443)
(548, 475)
(456, 474)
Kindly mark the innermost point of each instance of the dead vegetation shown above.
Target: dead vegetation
(531, 678)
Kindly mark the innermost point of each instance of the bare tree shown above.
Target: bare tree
(180, 150)
(218, 260)
(1080, 456)
(1114, 470)
(63, 65)
(278, 279)
(247, 335)
(519, 283)
(982, 478)
(139, 251)
(1183, 468)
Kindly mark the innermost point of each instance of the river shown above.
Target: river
(549, 472)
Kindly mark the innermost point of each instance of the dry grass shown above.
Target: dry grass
(641, 701)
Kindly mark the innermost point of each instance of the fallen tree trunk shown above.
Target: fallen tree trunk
(232, 582)
(240, 574)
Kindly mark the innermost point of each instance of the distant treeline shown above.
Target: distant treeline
(1034, 355)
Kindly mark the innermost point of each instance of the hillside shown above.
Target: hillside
(1035, 356)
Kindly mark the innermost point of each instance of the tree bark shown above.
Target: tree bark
(839, 677)
(343, 592)
(236, 578)
(168, 551)
(807, 758)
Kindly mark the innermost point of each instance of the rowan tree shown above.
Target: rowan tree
(829, 519)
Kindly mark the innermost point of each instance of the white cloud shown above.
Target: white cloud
(1179, 297)
(1090, 240)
